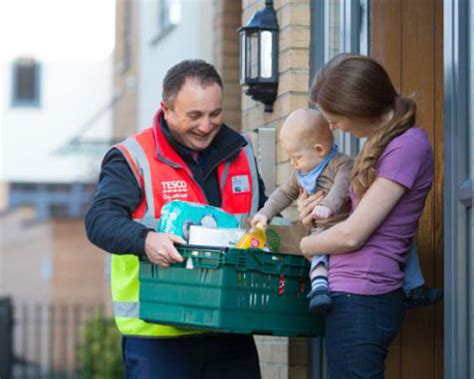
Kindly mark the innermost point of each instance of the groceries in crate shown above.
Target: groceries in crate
(230, 290)
(204, 236)
(178, 216)
(225, 289)
(206, 225)
(255, 238)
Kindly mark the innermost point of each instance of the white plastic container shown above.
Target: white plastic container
(201, 235)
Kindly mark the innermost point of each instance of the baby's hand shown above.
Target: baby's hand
(259, 219)
(322, 212)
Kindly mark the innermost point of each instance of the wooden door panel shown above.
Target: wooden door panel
(386, 45)
(418, 79)
(406, 36)
(386, 36)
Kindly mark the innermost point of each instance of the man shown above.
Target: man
(189, 143)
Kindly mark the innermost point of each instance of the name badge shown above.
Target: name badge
(240, 183)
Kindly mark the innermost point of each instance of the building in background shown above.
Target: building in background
(169, 31)
(56, 85)
(55, 78)
(55, 122)
(152, 36)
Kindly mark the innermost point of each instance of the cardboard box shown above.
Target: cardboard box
(285, 238)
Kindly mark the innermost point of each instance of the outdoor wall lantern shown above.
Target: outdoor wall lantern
(259, 56)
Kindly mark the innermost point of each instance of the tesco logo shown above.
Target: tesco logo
(174, 185)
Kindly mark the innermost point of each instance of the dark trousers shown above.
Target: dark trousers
(208, 356)
(359, 330)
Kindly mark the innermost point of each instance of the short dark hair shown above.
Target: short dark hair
(205, 73)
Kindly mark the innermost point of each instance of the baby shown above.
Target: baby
(318, 166)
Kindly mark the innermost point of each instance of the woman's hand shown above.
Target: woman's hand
(306, 204)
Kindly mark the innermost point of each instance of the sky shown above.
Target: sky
(62, 31)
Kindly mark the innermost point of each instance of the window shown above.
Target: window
(26, 83)
(169, 15)
(332, 29)
(52, 199)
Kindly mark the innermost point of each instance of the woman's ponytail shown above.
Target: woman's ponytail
(364, 171)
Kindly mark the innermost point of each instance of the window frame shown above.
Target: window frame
(17, 102)
(350, 14)
(164, 20)
(458, 192)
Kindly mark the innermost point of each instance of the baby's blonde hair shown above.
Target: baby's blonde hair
(309, 126)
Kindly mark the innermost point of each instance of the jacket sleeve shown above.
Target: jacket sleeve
(339, 194)
(281, 198)
(108, 222)
(262, 198)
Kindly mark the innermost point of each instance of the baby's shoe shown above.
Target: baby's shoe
(319, 300)
(422, 296)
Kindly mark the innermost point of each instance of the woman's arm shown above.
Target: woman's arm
(352, 233)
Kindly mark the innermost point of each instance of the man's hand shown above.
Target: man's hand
(160, 250)
(259, 219)
(306, 204)
(322, 212)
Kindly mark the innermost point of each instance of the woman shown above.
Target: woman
(390, 182)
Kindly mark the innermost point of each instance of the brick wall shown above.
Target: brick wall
(78, 277)
(293, 66)
(25, 257)
(227, 19)
(49, 261)
(79, 267)
(125, 114)
(283, 358)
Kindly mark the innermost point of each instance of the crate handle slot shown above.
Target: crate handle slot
(208, 257)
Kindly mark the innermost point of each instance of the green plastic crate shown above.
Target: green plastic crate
(231, 290)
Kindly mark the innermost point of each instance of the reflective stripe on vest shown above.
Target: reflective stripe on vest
(125, 282)
(126, 308)
(224, 175)
(253, 171)
(138, 155)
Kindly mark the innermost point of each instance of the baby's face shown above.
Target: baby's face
(302, 157)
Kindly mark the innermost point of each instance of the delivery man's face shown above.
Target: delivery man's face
(195, 116)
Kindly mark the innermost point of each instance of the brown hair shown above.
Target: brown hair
(205, 73)
(358, 87)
